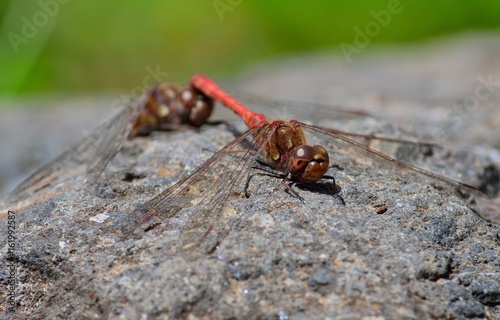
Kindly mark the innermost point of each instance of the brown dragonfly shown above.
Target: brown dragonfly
(164, 106)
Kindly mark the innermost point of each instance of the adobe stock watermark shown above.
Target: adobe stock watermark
(153, 76)
(223, 6)
(459, 111)
(74, 154)
(40, 19)
(372, 29)
(11, 268)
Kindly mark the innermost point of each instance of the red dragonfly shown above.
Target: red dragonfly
(164, 106)
(280, 144)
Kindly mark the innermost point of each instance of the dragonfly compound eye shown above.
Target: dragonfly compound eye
(201, 112)
(196, 107)
(166, 93)
(309, 163)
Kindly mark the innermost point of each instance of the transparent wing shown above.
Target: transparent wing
(195, 204)
(375, 137)
(293, 109)
(357, 146)
(111, 136)
(91, 154)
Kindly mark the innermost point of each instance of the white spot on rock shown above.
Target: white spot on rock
(100, 218)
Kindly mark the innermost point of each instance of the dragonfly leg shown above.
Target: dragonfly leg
(247, 185)
(336, 188)
(266, 170)
(290, 189)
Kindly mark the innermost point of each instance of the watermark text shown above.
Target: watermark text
(11, 267)
(31, 26)
(372, 29)
(455, 116)
(223, 6)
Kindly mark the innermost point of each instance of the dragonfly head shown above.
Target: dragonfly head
(198, 105)
(308, 163)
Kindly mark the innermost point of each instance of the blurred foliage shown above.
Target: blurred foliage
(101, 45)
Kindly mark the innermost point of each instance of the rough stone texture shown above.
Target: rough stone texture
(402, 248)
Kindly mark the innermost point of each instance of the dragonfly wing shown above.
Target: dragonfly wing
(108, 138)
(195, 205)
(381, 138)
(356, 146)
(94, 152)
(292, 109)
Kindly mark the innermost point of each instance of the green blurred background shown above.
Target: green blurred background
(95, 46)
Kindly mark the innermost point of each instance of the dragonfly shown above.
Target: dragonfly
(164, 106)
(201, 196)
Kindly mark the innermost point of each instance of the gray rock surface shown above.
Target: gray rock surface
(403, 247)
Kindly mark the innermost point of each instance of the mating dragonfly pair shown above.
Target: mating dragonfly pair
(279, 144)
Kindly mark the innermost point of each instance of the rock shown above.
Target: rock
(322, 277)
(426, 255)
(434, 266)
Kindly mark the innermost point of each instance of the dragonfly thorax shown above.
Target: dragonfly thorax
(288, 151)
